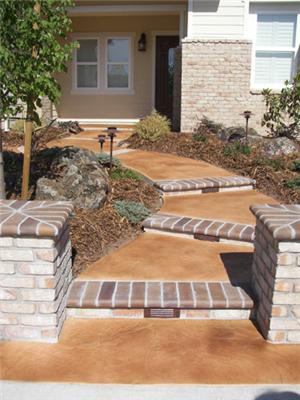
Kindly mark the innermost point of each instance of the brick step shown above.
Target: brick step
(204, 185)
(159, 299)
(201, 229)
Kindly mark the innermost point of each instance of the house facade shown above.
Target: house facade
(186, 58)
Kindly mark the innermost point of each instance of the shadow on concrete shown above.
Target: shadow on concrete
(278, 396)
(238, 267)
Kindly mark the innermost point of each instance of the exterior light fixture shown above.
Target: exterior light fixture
(142, 42)
(101, 140)
(112, 133)
(247, 115)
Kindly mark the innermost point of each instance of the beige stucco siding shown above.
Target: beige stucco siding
(215, 19)
(117, 106)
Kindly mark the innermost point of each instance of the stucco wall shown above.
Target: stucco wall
(216, 83)
(120, 106)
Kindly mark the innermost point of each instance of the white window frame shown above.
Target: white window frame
(273, 9)
(102, 84)
(129, 63)
(76, 63)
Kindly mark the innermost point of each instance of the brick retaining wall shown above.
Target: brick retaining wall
(216, 83)
(35, 269)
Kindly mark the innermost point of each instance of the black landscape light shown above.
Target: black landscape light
(112, 133)
(101, 140)
(142, 42)
(247, 115)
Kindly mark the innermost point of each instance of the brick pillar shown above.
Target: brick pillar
(35, 269)
(276, 272)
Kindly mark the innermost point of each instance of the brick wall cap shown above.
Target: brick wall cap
(282, 221)
(33, 218)
(216, 41)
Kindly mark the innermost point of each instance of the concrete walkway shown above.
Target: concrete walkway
(192, 358)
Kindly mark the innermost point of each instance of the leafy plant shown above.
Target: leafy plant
(199, 137)
(293, 183)
(275, 163)
(32, 51)
(295, 166)
(133, 211)
(153, 127)
(282, 117)
(212, 126)
(236, 148)
(125, 173)
(104, 160)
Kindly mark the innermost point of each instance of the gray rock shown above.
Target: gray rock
(280, 146)
(78, 177)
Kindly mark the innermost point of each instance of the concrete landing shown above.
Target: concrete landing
(156, 257)
(153, 352)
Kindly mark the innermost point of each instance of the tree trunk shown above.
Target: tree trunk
(27, 156)
(2, 182)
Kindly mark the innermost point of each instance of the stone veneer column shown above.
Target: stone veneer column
(216, 79)
(35, 269)
(276, 271)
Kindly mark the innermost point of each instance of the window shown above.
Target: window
(87, 59)
(118, 68)
(275, 49)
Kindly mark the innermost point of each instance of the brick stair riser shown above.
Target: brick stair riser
(158, 295)
(205, 314)
(206, 191)
(201, 237)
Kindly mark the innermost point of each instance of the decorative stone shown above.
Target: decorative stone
(80, 178)
(280, 146)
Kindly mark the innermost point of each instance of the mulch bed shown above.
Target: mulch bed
(269, 180)
(95, 233)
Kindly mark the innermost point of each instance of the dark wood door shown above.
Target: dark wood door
(165, 46)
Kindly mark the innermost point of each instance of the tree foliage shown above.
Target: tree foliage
(282, 117)
(33, 47)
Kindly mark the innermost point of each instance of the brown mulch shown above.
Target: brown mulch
(94, 233)
(40, 138)
(269, 180)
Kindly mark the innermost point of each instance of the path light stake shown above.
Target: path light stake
(111, 132)
(101, 139)
(247, 115)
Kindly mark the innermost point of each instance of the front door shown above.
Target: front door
(165, 46)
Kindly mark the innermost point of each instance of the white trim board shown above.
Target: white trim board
(100, 121)
(14, 390)
(138, 9)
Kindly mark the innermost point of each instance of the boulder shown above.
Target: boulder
(75, 175)
(281, 146)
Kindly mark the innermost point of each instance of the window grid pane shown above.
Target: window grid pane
(88, 50)
(87, 76)
(276, 30)
(273, 68)
(117, 76)
(118, 50)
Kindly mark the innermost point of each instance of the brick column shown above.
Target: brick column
(276, 271)
(35, 269)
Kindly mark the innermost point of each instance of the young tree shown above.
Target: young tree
(33, 47)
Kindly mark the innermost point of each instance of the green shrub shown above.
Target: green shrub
(236, 148)
(133, 211)
(212, 126)
(282, 117)
(125, 173)
(104, 159)
(295, 166)
(153, 127)
(293, 183)
(198, 137)
(275, 163)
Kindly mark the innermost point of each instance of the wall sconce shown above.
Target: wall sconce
(142, 42)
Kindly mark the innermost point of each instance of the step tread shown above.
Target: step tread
(161, 295)
(182, 185)
(196, 226)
